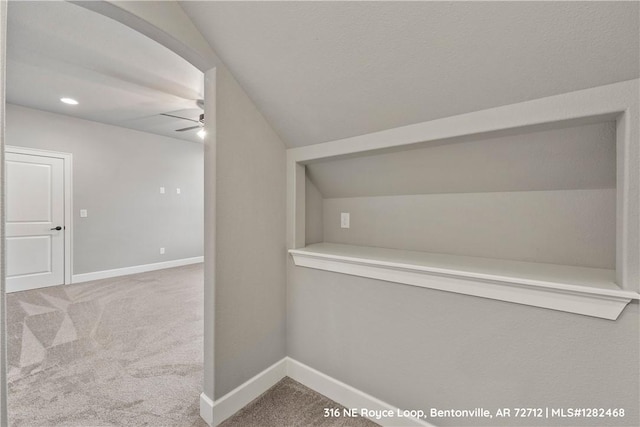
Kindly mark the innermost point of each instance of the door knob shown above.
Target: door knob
(57, 228)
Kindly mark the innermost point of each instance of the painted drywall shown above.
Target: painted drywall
(419, 348)
(313, 213)
(569, 227)
(210, 186)
(117, 175)
(250, 249)
(165, 22)
(575, 157)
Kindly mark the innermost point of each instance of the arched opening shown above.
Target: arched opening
(133, 134)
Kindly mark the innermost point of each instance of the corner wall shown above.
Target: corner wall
(250, 250)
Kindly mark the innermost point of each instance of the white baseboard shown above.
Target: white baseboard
(105, 274)
(216, 412)
(206, 409)
(348, 396)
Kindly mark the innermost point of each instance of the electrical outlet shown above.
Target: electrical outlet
(161, 190)
(177, 191)
(344, 220)
(161, 251)
(83, 213)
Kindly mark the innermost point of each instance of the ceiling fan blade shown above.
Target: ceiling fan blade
(189, 128)
(178, 117)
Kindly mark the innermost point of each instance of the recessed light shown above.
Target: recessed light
(69, 101)
(202, 133)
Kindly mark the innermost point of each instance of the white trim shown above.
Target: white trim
(590, 301)
(67, 159)
(242, 395)
(206, 409)
(215, 412)
(105, 274)
(347, 396)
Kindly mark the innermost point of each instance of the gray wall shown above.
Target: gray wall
(314, 211)
(250, 248)
(420, 348)
(546, 196)
(117, 174)
(569, 227)
(556, 159)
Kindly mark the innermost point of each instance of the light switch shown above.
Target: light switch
(177, 191)
(83, 213)
(344, 220)
(161, 190)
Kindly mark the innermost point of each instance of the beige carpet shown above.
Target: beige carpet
(128, 352)
(116, 352)
(289, 404)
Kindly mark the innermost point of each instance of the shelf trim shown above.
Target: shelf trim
(589, 301)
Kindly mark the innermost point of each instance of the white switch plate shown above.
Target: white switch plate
(83, 213)
(344, 220)
(161, 190)
(161, 251)
(177, 191)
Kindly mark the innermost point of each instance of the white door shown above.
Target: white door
(34, 221)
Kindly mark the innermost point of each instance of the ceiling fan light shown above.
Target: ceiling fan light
(69, 101)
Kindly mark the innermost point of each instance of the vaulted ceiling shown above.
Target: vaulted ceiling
(119, 76)
(321, 71)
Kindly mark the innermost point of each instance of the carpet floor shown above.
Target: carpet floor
(125, 351)
(290, 404)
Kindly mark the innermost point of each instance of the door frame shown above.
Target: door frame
(67, 159)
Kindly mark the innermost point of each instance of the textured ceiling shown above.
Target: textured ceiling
(321, 71)
(119, 76)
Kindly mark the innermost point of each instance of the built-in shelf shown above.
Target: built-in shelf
(587, 291)
(582, 290)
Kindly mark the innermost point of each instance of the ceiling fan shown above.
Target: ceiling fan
(200, 121)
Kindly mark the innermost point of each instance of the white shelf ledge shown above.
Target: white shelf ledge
(587, 291)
